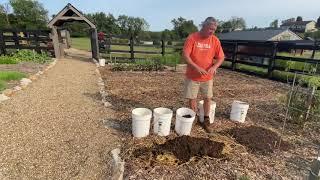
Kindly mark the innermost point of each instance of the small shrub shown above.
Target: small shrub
(8, 60)
(169, 43)
(31, 56)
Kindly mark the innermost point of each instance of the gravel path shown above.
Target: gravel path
(54, 128)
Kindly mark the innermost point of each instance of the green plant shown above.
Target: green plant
(11, 75)
(2, 85)
(303, 101)
(31, 56)
(8, 60)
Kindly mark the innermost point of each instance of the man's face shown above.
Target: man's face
(209, 29)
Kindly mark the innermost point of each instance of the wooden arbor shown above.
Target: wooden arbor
(69, 14)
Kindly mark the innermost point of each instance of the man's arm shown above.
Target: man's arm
(213, 69)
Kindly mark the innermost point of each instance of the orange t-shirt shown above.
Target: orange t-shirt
(202, 52)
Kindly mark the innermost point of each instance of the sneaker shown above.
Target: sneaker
(206, 125)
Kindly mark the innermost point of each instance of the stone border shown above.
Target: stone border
(24, 82)
(101, 85)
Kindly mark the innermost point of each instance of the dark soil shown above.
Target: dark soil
(183, 148)
(187, 116)
(258, 139)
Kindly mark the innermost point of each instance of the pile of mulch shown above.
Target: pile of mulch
(258, 139)
(181, 149)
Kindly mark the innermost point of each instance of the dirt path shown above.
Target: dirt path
(54, 128)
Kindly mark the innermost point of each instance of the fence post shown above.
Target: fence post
(272, 60)
(36, 36)
(163, 47)
(15, 38)
(234, 57)
(314, 49)
(131, 48)
(2, 43)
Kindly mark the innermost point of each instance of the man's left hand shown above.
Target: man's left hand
(212, 70)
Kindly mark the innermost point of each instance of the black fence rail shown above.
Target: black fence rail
(38, 40)
(264, 54)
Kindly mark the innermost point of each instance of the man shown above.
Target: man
(203, 53)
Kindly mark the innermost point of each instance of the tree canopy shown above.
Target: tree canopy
(29, 14)
(183, 27)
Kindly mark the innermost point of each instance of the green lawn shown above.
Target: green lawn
(8, 76)
(82, 43)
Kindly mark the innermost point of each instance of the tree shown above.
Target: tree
(274, 24)
(131, 25)
(237, 23)
(104, 23)
(299, 18)
(183, 27)
(318, 22)
(30, 14)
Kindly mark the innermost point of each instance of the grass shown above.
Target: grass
(6, 76)
(82, 43)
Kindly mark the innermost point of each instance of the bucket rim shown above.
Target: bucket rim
(148, 111)
(166, 111)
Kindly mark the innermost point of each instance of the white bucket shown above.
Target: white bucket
(102, 62)
(141, 118)
(212, 111)
(162, 121)
(239, 111)
(183, 124)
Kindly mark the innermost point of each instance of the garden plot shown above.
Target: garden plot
(248, 150)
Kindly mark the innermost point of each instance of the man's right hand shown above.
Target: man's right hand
(202, 71)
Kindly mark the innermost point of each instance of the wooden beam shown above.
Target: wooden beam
(71, 18)
(55, 41)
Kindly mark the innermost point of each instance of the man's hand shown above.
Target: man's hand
(212, 70)
(202, 71)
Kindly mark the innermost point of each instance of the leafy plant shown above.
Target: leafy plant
(302, 100)
(8, 60)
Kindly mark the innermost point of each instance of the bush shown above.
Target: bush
(169, 43)
(25, 56)
(8, 60)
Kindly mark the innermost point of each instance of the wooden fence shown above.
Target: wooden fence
(37, 40)
(265, 54)
(262, 54)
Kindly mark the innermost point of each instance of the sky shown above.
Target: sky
(159, 13)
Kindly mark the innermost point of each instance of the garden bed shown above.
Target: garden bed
(247, 150)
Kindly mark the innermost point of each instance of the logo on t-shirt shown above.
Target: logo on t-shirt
(203, 46)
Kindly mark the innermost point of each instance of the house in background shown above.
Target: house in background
(260, 35)
(300, 26)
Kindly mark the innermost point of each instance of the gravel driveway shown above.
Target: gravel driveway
(54, 128)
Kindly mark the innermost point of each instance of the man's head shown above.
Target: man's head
(209, 26)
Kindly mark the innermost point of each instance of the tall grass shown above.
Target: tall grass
(8, 76)
(11, 75)
(2, 85)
